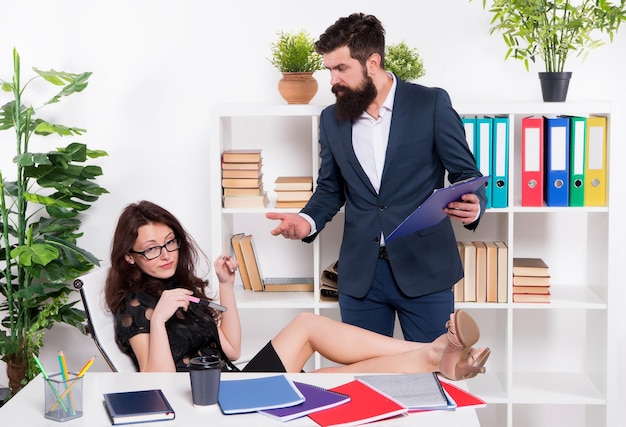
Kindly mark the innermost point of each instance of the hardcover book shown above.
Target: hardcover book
(288, 284)
(293, 183)
(530, 267)
(138, 406)
(242, 156)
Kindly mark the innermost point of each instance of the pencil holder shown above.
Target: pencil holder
(63, 398)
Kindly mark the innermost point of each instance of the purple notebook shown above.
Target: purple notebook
(316, 399)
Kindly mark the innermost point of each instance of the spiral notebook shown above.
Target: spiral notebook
(415, 391)
(316, 399)
(255, 394)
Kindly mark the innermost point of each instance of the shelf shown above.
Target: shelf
(571, 388)
(530, 342)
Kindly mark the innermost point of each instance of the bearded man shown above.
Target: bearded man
(385, 145)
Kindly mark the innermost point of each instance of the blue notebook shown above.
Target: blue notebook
(316, 399)
(255, 394)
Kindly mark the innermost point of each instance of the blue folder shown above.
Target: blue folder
(431, 211)
(483, 151)
(500, 163)
(556, 152)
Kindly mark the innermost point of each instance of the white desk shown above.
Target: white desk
(26, 408)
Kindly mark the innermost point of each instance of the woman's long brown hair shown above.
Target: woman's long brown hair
(124, 277)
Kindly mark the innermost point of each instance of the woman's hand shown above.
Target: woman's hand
(171, 300)
(225, 267)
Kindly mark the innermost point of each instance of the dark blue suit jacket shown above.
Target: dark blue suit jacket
(426, 139)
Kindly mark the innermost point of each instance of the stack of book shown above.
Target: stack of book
(293, 191)
(486, 272)
(328, 282)
(250, 270)
(531, 280)
(242, 179)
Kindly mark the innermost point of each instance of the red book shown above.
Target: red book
(532, 161)
(366, 405)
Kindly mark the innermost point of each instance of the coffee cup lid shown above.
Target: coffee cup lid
(203, 362)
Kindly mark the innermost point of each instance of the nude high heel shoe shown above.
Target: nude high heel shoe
(460, 360)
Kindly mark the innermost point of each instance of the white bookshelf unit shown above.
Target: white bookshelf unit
(551, 364)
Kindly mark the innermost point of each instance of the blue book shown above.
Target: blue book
(316, 399)
(255, 394)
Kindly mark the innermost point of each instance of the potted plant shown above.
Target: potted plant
(404, 62)
(39, 222)
(293, 54)
(552, 31)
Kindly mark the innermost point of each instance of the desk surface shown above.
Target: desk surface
(27, 406)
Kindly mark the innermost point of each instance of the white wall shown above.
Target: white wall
(159, 67)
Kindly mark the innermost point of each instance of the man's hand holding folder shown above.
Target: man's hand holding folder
(437, 206)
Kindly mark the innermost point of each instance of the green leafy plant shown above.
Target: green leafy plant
(295, 53)
(39, 221)
(404, 62)
(551, 30)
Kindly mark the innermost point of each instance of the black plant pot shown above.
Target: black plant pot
(554, 85)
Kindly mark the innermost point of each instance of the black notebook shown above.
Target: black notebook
(138, 406)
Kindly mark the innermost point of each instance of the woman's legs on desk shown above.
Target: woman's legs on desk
(360, 350)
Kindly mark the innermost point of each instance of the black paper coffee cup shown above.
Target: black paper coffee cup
(204, 372)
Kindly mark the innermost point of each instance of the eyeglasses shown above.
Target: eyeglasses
(155, 251)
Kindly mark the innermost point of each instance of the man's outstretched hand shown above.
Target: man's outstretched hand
(292, 225)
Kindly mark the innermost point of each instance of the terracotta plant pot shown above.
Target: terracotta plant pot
(297, 88)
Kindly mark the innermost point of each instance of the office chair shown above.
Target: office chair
(100, 321)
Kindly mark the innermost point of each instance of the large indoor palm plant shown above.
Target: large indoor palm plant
(40, 203)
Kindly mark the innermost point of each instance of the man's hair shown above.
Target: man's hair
(363, 34)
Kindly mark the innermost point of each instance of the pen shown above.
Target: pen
(80, 374)
(207, 303)
(45, 376)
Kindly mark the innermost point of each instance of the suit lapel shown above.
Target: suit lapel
(399, 119)
(345, 135)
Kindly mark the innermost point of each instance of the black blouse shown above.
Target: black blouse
(191, 333)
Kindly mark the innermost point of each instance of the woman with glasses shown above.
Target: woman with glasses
(152, 282)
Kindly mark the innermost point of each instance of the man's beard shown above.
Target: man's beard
(351, 103)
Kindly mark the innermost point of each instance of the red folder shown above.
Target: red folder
(532, 161)
(366, 405)
(461, 397)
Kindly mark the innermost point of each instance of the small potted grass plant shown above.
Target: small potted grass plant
(293, 54)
